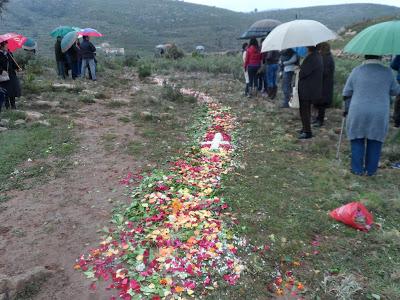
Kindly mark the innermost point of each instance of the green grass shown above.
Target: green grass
(286, 191)
(282, 191)
(87, 99)
(36, 142)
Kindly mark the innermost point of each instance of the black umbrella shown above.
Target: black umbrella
(260, 29)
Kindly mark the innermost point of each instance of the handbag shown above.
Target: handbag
(4, 76)
(294, 101)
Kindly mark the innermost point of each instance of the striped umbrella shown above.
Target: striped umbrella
(90, 32)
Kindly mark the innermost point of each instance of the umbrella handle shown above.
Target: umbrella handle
(15, 62)
(340, 138)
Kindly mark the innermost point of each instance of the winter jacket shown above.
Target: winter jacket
(289, 61)
(253, 57)
(328, 80)
(272, 57)
(87, 50)
(7, 63)
(310, 78)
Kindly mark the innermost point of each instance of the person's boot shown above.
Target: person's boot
(7, 103)
(12, 103)
(274, 92)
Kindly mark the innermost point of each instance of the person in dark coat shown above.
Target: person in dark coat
(60, 58)
(310, 88)
(88, 52)
(72, 59)
(12, 86)
(395, 65)
(327, 84)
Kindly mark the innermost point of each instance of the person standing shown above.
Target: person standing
(12, 86)
(368, 92)
(252, 65)
(246, 74)
(88, 52)
(327, 84)
(310, 88)
(395, 65)
(290, 62)
(272, 61)
(72, 59)
(60, 58)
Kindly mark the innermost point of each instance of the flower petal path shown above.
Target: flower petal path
(175, 240)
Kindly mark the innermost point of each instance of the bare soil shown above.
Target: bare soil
(53, 224)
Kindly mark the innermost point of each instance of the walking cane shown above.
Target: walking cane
(340, 139)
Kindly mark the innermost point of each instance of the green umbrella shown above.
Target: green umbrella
(68, 40)
(63, 30)
(379, 39)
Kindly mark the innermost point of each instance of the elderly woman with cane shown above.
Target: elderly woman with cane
(367, 95)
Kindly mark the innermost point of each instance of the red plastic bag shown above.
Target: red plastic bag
(354, 214)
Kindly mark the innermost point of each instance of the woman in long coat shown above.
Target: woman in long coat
(310, 88)
(12, 86)
(368, 90)
(327, 84)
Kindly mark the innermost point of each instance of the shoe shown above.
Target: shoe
(357, 173)
(317, 124)
(305, 135)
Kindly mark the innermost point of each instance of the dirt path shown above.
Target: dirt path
(49, 226)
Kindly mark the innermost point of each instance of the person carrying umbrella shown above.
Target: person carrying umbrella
(10, 66)
(72, 56)
(60, 58)
(88, 52)
(395, 65)
(367, 92)
(310, 88)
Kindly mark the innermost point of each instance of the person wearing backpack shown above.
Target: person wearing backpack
(395, 65)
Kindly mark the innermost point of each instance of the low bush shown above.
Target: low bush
(144, 71)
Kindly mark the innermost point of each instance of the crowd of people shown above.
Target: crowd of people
(77, 59)
(367, 94)
(316, 79)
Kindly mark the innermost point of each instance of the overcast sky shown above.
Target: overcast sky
(240, 5)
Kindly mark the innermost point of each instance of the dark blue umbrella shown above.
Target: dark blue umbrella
(260, 29)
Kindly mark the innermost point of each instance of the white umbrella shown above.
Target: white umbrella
(298, 33)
